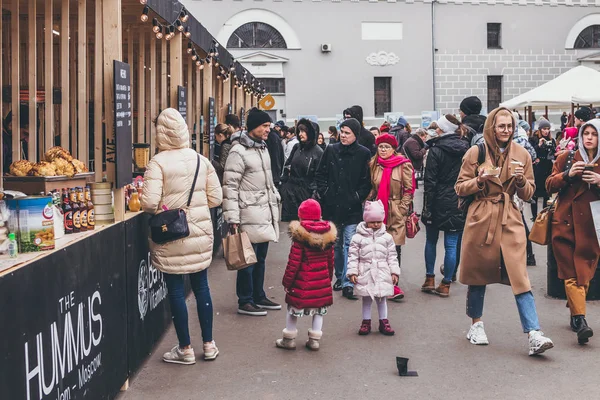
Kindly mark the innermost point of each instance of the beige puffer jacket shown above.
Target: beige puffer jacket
(250, 197)
(372, 257)
(168, 181)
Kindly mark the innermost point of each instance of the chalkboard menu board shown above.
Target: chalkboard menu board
(242, 117)
(211, 126)
(119, 149)
(182, 101)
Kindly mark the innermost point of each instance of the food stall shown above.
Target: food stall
(82, 81)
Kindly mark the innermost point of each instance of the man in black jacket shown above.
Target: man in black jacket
(365, 138)
(440, 205)
(275, 149)
(400, 132)
(343, 184)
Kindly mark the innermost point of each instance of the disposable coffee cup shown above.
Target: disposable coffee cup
(513, 166)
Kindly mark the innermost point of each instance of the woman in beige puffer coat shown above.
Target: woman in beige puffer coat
(167, 183)
(373, 266)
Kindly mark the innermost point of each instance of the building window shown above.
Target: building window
(494, 92)
(273, 85)
(383, 96)
(256, 35)
(493, 36)
(589, 38)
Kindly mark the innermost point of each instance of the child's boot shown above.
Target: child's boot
(385, 328)
(313, 339)
(365, 327)
(289, 340)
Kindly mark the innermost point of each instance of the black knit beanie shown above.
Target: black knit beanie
(471, 105)
(354, 126)
(584, 114)
(256, 118)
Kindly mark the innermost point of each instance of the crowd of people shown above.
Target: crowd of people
(349, 202)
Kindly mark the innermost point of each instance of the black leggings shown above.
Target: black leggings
(399, 253)
(534, 205)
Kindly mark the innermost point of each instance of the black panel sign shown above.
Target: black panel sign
(211, 126)
(63, 332)
(120, 151)
(242, 117)
(182, 101)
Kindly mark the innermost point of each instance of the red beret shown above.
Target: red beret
(387, 138)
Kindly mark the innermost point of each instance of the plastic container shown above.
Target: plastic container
(13, 248)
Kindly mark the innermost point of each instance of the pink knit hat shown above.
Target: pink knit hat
(374, 211)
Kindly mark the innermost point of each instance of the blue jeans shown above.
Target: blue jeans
(199, 281)
(525, 305)
(250, 280)
(451, 241)
(345, 233)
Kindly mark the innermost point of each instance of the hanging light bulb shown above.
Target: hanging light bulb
(219, 76)
(183, 15)
(216, 62)
(232, 68)
(155, 25)
(190, 49)
(159, 34)
(188, 33)
(179, 26)
(144, 16)
(144, 2)
(198, 63)
(171, 32)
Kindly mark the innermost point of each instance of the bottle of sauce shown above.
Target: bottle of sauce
(83, 213)
(134, 202)
(76, 211)
(67, 212)
(90, 209)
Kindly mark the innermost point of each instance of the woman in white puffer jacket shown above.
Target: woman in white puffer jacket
(373, 266)
(168, 181)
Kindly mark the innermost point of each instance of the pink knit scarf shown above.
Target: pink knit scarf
(388, 165)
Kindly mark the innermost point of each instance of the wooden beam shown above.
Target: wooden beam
(49, 77)
(141, 84)
(65, 77)
(190, 97)
(131, 62)
(15, 83)
(98, 89)
(207, 89)
(153, 93)
(176, 66)
(198, 107)
(72, 121)
(32, 85)
(82, 89)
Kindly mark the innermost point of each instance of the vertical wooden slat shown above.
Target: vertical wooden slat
(82, 89)
(72, 122)
(207, 89)
(49, 77)
(226, 94)
(198, 107)
(190, 97)
(153, 94)
(141, 84)
(65, 84)
(176, 66)
(131, 63)
(16, 117)
(32, 85)
(98, 90)
(163, 75)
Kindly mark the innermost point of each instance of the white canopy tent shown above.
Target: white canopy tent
(577, 85)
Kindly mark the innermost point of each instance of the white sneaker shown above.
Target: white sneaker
(477, 334)
(210, 351)
(538, 343)
(178, 356)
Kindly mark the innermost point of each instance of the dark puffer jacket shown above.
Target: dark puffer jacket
(366, 138)
(276, 153)
(401, 135)
(309, 270)
(414, 149)
(343, 182)
(298, 179)
(440, 205)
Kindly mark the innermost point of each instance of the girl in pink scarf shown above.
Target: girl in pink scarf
(393, 180)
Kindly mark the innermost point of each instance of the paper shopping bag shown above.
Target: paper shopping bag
(238, 251)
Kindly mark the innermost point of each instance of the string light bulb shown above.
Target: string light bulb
(190, 49)
(179, 26)
(155, 26)
(194, 56)
(188, 33)
(159, 34)
(144, 16)
(144, 2)
(183, 15)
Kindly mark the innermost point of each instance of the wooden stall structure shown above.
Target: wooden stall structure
(57, 78)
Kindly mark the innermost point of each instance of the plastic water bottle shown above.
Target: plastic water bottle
(13, 250)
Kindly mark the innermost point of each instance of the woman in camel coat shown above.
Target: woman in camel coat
(494, 242)
(573, 233)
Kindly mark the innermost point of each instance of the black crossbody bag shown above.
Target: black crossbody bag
(172, 225)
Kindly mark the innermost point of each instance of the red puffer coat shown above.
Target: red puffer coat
(308, 274)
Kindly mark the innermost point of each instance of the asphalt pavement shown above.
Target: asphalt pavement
(430, 331)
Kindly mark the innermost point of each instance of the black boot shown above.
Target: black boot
(531, 262)
(584, 332)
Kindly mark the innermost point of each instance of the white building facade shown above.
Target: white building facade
(318, 57)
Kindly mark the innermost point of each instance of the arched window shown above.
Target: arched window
(256, 35)
(589, 38)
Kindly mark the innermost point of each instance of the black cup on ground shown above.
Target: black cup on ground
(402, 365)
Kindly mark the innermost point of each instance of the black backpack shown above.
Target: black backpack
(465, 201)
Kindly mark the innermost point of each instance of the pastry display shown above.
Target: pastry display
(64, 167)
(43, 168)
(58, 152)
(20, 168)
(79, 166)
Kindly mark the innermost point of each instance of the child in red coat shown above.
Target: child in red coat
(307, 278)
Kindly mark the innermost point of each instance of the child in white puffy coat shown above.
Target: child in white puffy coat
(373, 266)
